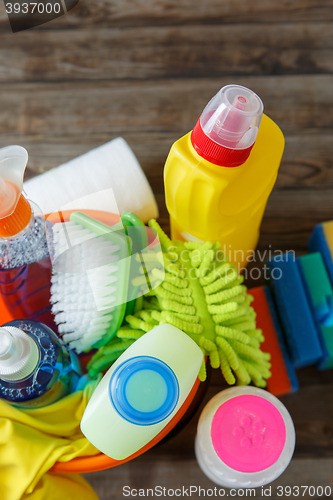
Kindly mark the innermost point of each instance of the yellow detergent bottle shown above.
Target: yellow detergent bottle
(219, 176)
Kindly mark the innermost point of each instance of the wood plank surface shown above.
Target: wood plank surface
(167, 52)
(145, 69)
(299, 104)
(306, 162)
(154, 470)
(161, 12)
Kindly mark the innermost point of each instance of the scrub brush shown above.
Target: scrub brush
(91, 272)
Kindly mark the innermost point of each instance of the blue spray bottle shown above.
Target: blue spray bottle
(35, 369)
(25, 265)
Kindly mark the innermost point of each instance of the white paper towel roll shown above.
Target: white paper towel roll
(88, 182)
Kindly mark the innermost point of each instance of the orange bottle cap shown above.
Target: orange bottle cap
(15, 210)
(16, 221)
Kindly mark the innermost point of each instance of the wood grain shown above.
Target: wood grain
(145, 69)
(306, 163)
(299, 104)
(165, 12)
(167, 52)
(155, 470)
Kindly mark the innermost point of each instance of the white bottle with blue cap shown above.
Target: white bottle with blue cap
(142, 392)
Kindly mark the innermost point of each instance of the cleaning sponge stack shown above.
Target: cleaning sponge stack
(300, 300)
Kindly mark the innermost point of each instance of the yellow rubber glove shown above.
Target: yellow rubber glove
(61, 486)
(31, 441)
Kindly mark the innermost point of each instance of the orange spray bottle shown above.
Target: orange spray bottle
(25, 265)
(219, 176)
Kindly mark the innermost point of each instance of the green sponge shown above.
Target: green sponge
(320, 296)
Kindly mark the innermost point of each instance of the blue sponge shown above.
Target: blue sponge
(282, 343)
(295, 314)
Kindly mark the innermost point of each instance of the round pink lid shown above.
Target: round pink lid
(248, 433)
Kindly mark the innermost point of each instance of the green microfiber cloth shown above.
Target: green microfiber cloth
(201, 294)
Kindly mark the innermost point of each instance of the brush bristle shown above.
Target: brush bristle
(84, 284)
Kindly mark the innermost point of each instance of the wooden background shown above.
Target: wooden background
(144, 69)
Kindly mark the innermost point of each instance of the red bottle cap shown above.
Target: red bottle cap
(214, 152)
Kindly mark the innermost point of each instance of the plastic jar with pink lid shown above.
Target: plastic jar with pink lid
(245, 438)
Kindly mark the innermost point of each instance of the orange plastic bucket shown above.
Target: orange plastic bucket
(100, 462)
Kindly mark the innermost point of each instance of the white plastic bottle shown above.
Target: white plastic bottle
(142, 391)
(245, 438)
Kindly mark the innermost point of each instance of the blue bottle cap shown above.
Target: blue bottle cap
(144, 390)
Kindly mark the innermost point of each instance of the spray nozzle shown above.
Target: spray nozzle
(232, 117)
(15, 211)
(228, 126)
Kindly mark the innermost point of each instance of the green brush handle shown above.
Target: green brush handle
(136, 241)
(92, 224)
(138, 235)
(119, 238)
